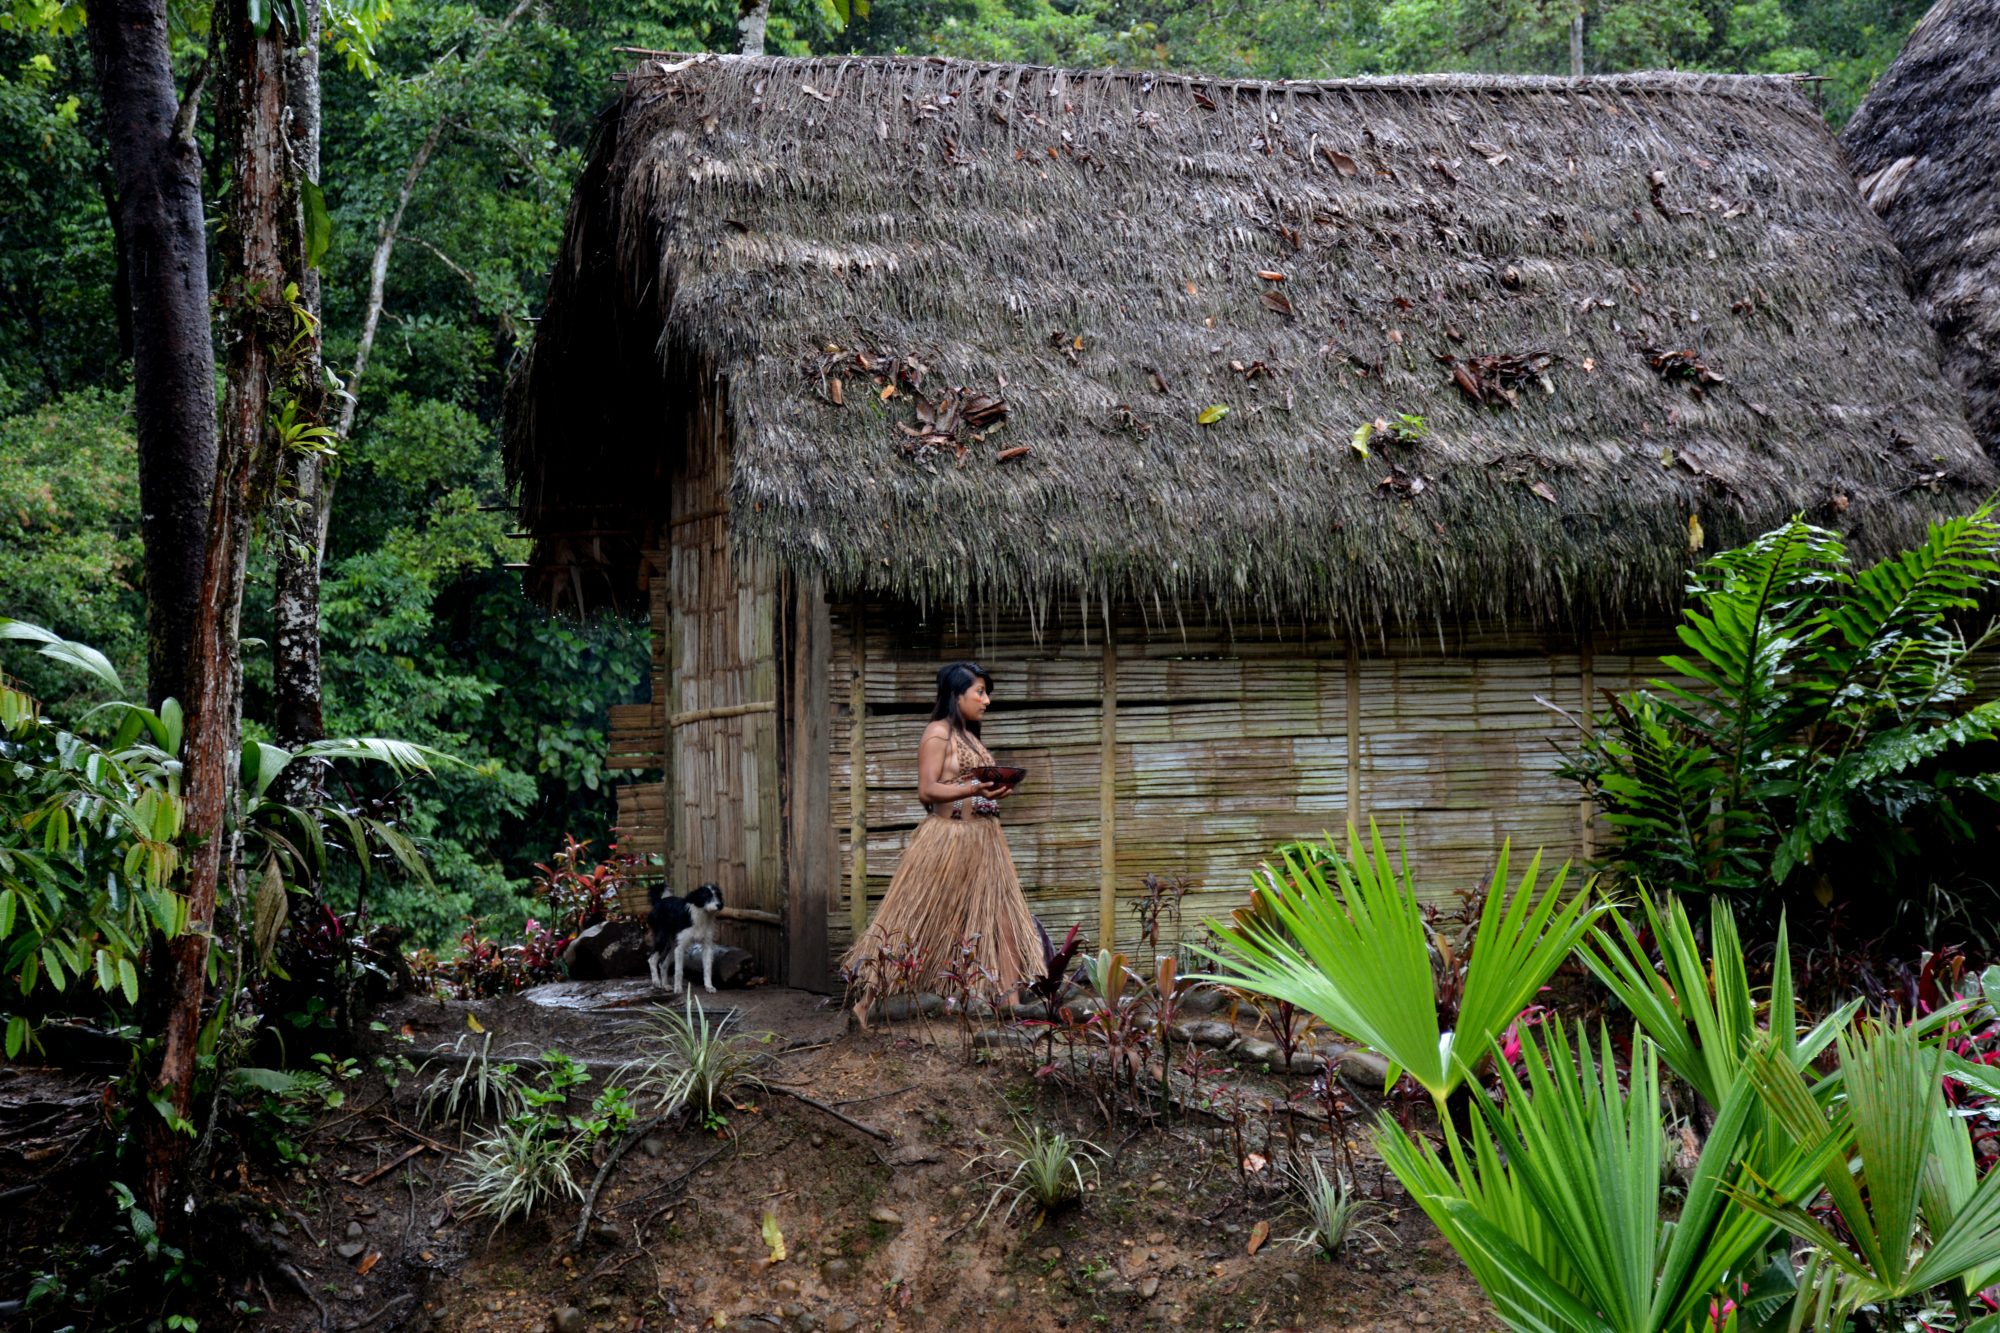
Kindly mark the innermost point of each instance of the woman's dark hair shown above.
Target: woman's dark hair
(954, 679)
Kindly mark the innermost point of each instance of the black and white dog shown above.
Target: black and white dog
(675, 923)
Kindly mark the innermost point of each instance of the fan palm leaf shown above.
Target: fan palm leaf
(1557, 1210)
(1354, 953)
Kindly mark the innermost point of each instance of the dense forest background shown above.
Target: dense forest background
(481, 114)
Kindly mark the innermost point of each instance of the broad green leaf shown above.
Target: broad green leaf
(318, 222)
(53, 646)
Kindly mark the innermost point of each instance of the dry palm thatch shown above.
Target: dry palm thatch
(1926, 149)
(977, 327)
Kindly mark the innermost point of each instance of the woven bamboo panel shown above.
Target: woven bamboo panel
(1230, 740)
(641, 832)
(718, 707)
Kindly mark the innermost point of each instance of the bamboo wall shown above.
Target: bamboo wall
(713, 725)
(1224, 744)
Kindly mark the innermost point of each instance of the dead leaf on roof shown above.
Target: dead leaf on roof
(1340, 161)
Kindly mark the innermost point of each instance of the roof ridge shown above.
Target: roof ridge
(1696, 82)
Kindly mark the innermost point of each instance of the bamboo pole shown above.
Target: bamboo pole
(1586, 813)
(1353, 734)
(729, 710)
(1107, 802)
(857, 781)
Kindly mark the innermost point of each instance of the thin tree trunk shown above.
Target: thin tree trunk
(385, 249)
(295, 667)
(260, 253)
(164, 259)
(752, 17)
(1576, 45)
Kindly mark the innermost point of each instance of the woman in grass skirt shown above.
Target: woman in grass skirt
(956, 886)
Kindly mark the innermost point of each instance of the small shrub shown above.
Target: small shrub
(479, 1089)
(1042, 1167)
(1333, 1215)
(697, 1065)
(516, 1170)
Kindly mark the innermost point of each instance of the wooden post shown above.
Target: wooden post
(1576, 45)
(1353, 733)
(1586, 810)
(857, 780)
(1107, 802)
(812, 865)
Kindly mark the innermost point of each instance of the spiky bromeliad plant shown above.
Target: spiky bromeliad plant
(696, 1066)
(1041, 1167)
(1352, 949)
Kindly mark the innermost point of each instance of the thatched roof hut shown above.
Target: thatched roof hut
(851, 364)
(1926, 150)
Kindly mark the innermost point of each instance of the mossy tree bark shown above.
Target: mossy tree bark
(269, 378)
(157, 214)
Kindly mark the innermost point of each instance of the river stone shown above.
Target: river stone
(608, 950)
(1207, 1032)
(1364, 1067)
(1206, 1000)
(1257, 1051)
(569, 1319)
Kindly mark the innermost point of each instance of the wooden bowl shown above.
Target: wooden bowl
(1004, 775)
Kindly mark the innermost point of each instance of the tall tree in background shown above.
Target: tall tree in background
(297, 717)
(157, 168)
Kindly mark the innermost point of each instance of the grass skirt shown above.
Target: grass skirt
(956, 882)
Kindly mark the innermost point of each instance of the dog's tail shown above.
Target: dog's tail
(656, 892)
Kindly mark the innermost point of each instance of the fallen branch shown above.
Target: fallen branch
(299, 1284)
(397, 1302)
(818, 1105)
(387, 1167)
(611, 1158)
(673, 1184)
(424, 1139)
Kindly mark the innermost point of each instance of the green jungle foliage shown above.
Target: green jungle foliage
(1821, 735)
(1576, 1202)
(427, 635)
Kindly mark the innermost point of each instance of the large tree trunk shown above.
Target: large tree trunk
(295, 667)
(261, 252)
(164, 259)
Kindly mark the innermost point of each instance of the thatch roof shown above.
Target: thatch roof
(1618, 305)
(1926, 150)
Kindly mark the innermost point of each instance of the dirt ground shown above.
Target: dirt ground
(877, 1192)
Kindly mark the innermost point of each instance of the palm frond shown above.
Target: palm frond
(1356, 954)
(80, 656)
(1557, 1211)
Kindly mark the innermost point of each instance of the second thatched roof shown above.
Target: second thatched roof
(995, 333)
(1926, 149)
